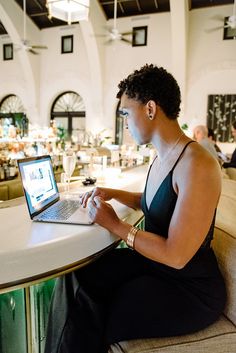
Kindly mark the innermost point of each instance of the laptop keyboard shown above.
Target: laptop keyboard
(62, 210)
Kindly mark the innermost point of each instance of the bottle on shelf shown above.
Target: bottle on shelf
(12, 168)
(2, 173)
(6, 171)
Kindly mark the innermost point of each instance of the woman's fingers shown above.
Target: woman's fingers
(103, 193)
(89, 194)
(93, 206)
(101, 212)
(84, 198)
(97, 201)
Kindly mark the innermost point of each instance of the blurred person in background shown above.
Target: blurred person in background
(200, 134)
(222, 156)
(232, 162)
(211, 137)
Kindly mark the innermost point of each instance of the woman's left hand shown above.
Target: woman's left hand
(103, 213)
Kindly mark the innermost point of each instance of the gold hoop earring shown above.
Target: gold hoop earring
(150, 117)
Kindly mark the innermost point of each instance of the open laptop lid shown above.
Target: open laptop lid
(38, 182)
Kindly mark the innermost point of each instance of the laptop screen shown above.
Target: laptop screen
(39, 183)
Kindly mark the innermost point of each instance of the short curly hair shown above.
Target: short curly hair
(153, 83)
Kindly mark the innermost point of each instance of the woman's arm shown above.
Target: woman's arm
(198, 184)
(197, 181)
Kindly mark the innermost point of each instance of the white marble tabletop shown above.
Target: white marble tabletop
(31, 251)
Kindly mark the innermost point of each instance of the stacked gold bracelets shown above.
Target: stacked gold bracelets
(131, 237)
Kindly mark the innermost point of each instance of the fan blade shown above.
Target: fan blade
(113, 32)
(218, 18)
(100, 35)
(107, 28)
(32, 51)
(126, 40)
(39, 47)
(108, 42)
(210, 30)
(127, 33)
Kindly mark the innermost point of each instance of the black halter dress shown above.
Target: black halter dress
(199, 286)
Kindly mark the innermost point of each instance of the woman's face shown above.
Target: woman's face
(135, 114)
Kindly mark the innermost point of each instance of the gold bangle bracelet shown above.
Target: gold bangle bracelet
(131, 237)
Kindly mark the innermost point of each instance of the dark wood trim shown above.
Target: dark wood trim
(69, 39)
(139, 36)
(8, 51)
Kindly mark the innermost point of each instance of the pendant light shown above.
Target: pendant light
(68, 10)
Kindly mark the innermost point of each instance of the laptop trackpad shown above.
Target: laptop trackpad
(80, 216)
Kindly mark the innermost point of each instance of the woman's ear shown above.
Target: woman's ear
(151, 109)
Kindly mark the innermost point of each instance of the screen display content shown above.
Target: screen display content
(39, 183)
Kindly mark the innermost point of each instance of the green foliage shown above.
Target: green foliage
(61, 133)
(184, 127)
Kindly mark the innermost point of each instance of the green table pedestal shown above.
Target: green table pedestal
(23, 318)
(13, 322)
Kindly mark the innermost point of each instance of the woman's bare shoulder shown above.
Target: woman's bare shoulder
(198, 164)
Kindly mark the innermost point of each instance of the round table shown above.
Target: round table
(33, 252)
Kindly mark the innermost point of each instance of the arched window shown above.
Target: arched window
(11, 104)
(68, 110)
(12, 112)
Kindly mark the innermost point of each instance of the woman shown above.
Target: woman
(169, 284)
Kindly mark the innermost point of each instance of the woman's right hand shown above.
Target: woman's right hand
(104, 193)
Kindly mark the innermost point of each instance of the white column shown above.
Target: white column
(96, 57)
(179, 37)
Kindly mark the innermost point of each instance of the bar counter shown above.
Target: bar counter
(31, 251)
(33, 255)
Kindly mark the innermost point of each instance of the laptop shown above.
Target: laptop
(42, 196)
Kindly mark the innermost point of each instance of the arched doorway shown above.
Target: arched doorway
(68, 110)
(12, 112)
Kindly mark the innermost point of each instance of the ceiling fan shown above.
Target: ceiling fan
(113, 32)
(25, 44)
(230, 22)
